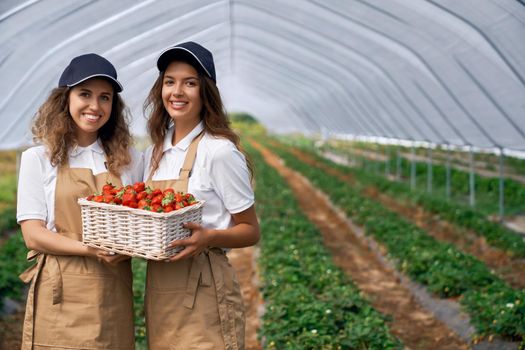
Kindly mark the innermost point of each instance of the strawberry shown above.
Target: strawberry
(139, 186)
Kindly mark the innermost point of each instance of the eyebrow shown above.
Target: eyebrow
(191, 77)
(88, 90)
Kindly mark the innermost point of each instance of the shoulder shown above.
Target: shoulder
(35, 160)
(216, 147)
(221, 154)
(35, 154)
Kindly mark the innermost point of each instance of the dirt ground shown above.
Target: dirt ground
(416, 327)
(243, 261)
(11, 331)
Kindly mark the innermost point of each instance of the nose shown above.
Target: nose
(177, 90)
(94, 104)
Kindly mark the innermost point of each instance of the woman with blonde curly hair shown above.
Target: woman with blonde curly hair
(194, 301)
(79, 297)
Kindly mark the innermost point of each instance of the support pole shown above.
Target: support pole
(387, 162)
(501, 185)
(412, 169)
(398, 164)
(377, 160)
(429, 170)
(447, 185)
(472, 179)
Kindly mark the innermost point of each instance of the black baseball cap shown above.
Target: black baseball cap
(191, 52)
(84, 67)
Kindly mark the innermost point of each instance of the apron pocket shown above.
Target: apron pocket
(168, 276)
(95, 312)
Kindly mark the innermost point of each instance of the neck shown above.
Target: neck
(84, 140)
(182, 130)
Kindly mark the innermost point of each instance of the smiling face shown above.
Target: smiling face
(90, 104)
(181, 94)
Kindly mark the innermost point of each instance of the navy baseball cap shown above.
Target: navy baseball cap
(84, 67)
(190, 52)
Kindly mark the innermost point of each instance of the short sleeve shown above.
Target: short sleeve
(31, 202)
(231, 178)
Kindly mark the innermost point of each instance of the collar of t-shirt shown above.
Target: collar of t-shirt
(185, 142)
(94, 147)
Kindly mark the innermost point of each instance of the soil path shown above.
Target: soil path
(243, 261)
(11, 331)
(416, 327)
(508, 268)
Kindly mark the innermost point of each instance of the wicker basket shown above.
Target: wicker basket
(135, 232)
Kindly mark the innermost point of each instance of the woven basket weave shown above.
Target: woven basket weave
(136, 232)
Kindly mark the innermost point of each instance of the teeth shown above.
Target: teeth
(91, 117)
(179, 104)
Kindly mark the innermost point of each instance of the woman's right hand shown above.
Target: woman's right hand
(105, 256)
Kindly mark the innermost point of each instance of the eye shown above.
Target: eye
(84, 94)
(105, 98)
(191, 83)
(168, 82)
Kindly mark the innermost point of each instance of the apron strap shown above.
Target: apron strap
(198, 273)
(185, 170)
(32, 275)
(33, 272)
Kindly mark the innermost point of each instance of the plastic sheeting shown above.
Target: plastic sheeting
(440, 71)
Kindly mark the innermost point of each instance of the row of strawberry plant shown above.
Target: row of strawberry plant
(496, 235)
(12, 263)
(7, 202)
(7, 219)
(440, 266)
(487, 188)
(310, 303)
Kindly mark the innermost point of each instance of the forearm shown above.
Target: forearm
(239, 236)
(38, 237)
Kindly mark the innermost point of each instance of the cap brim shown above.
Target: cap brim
(115, 82)
(180, 53)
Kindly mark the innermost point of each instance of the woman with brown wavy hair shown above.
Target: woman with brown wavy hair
(194, 301)
(79, 297)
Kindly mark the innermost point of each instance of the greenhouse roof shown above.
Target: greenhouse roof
(439, 71)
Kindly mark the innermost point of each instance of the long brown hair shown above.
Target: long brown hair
(54, 127)
(213, 114)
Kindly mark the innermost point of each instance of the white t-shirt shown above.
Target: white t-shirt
(220, 175)
(37, 178)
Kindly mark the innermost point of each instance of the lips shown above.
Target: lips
(177, 105)
(91, 118)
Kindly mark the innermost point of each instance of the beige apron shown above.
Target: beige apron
(195, 303)
(77, 302)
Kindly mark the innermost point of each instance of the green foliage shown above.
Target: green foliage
(243, 118)
(7, 219)
(12, 263)
(245, 123)
(8, 188)
(310, 303)
(139, 281)
(444, 269)
(461, 215)
(486, 188)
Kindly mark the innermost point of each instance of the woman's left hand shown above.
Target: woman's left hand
(193, 245)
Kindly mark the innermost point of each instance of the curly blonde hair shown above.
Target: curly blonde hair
(213, 114)
(54, 127)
